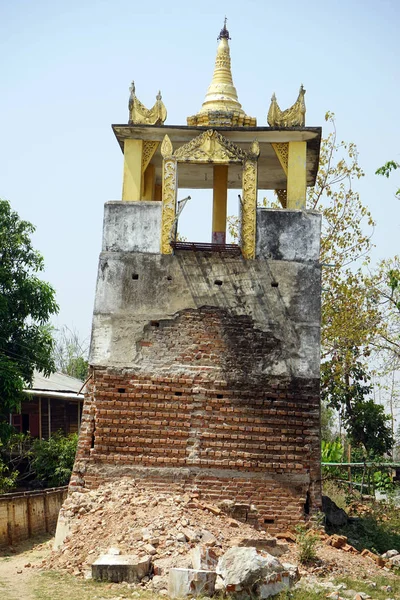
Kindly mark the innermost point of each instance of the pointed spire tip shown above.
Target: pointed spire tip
(224, 33)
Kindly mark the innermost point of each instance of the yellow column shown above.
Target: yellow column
(297, 175)
(149, 181)
(220, 199)
(132, 186)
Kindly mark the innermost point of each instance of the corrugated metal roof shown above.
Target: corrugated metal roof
(57, 382)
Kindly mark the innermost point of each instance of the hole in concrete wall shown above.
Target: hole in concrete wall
(178, 393)
(155, 323)
(220, 395)
(274, 284)
(307, 504)
(121, 390)
(135, 276)
(218, 282)
(269, 521)
(169, 278)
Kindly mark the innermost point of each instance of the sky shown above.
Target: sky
(65, 72)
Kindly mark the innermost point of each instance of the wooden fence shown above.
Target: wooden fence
(27, 514)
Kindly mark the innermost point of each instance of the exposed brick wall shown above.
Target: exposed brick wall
(200, 414)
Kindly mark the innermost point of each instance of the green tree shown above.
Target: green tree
(26, 304)
(386, 171)
(346, 388)
(71, 354)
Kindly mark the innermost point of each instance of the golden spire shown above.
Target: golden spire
(221, 105)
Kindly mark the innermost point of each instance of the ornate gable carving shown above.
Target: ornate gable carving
(210, 147)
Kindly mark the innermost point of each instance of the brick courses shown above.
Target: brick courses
(200, 413)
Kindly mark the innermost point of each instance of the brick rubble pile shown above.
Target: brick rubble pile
(124, 516)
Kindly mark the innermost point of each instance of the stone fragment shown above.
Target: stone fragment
(243, 569)
(212, 509)
(376, 558)
(121, 568)
(113, 551)
(191, 582)
(394, 561)
(181, 537)
(208, 538)
(149, 549)
(333, 514)
(286, 535)
(191, 535)
(390, 554)
(203, 558)
(293, 571)
(337, 541)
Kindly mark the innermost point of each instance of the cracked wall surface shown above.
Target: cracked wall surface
(205, 368)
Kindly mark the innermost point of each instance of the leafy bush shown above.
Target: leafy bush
(7, 478)
(331, 451)
(306, 540)
(378, 529)
(53, 459)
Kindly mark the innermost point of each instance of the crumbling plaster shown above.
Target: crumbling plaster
(280, 290)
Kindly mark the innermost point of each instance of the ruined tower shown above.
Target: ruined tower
(204, 357)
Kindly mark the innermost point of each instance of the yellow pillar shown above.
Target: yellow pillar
(132, 186)
(297, 175)
(149, 181)
(157, 192)
(220, 199)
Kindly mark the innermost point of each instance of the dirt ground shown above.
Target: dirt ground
(21, 577)
(16, 577)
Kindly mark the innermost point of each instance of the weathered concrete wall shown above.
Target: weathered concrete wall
(28, 514)
(288, 235)
(133, 290)
(132, 227)
(205, 371)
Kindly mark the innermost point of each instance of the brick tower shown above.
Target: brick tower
(204, 358)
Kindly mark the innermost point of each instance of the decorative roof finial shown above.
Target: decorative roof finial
(221, 106)
(224, 33)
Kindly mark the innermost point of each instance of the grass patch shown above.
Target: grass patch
(377, 530)
(375, 592)
(301, 594)
(52, 585)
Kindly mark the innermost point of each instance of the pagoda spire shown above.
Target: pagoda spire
(221, 105)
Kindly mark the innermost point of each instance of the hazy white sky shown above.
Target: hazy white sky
(65, 71)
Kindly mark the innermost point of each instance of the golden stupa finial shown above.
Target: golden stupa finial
(295, 116)
(221, 106)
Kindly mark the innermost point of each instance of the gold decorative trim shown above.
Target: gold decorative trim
(282, 152)
(149, 149)
(166, 147)
(295, 116)
(169, 189)
(210, 146)
(139, 114)
(249, 207)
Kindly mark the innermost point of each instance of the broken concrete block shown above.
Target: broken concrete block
(293, 571)
(273, 584)
(191, 582)
(241, 568)
(149, 549)
(390, 554)
(114, 568)
(191, 535)
(203, 558)
(208, 538)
